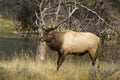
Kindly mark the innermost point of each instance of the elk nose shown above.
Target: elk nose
(42, 40)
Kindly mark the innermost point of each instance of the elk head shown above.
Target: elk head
(48, 36)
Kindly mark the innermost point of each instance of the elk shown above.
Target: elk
(69, 42)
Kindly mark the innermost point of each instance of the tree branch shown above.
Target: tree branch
(58, 24)
(109, 26)
(57, 12)
(95, 13)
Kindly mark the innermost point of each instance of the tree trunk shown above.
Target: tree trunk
(41, 46)
(41, 51)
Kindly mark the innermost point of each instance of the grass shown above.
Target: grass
(6, 25)
(25, 68)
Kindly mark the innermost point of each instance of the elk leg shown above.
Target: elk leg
(61, 58)
(58, 60)
(93, 57)
(93, 60)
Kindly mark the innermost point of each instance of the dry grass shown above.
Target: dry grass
(28, 69)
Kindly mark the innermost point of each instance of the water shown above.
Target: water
(11, 44)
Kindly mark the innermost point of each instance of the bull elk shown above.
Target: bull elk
(69, 42)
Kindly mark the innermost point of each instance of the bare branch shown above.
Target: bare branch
(36, 23)
(41, 4)
(108, 25)
(57, 12)
(42, 12)
(49, 14)
(97, 22)
(37, 15)
(72, 12)
(58, 24)
(100, 18)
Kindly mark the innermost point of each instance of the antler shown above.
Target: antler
(43, 15)
(58, 24)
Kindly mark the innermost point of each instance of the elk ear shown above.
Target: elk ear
(49, 31)
(45, 32)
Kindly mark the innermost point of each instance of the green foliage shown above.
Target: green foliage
(6, 25)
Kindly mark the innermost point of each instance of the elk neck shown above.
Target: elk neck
(56, 41)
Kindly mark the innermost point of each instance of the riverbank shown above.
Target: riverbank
(7, 29)
(6, 25)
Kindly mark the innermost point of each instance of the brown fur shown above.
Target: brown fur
(54, 40)
(70, 42)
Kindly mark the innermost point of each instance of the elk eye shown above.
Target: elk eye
(45, 33)
(48, 34)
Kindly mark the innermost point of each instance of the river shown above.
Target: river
(11, 44)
